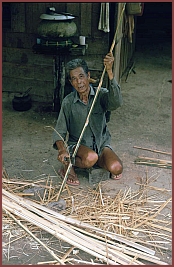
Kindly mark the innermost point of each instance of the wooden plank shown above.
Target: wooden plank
(117, 52)
(86, 18)
(95, 33)
(26, 71)
(97, 46)
(59, 7)
(18, 17)
(17, 55)
(15, 85)
(74, 9)
(19, 40)
(33, 12)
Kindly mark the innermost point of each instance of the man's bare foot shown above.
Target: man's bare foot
(115, 176)
(72, 177)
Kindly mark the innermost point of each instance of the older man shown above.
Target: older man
(95, 148)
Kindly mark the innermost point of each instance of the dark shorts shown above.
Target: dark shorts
(72, 147)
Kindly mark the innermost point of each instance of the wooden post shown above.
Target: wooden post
(117, 52)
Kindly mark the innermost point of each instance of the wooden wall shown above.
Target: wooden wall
(22, 68)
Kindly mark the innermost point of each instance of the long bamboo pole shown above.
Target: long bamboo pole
(91, 108)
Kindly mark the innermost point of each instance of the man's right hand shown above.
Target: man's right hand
(62, 153)
(63, 157)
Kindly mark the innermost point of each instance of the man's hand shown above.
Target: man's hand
(108, 63)
(63, 157)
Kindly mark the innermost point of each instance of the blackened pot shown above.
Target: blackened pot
(21, 102)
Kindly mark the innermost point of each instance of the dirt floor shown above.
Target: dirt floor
(144, 120)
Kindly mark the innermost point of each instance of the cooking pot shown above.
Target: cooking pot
(55, 28)
(22, 101)
(54, 25)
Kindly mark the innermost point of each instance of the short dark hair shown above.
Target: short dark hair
(75, 63)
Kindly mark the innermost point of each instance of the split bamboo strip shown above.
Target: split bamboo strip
(67, 253)
(127, 250)
(160, 227)
(43, 224)
(154, 215)
(25, 183)
(34, 237)
(156, 188)
(153, 150)
(117, 256)
(52, 229)
(132, 206)
(114, 255)
(29, 204)
(154, 164)
(6, 244)
(46, 262)
(86, 262)
(153, 161)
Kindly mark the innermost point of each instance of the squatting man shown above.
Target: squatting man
(95, 148)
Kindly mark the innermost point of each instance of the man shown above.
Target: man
(95, 145)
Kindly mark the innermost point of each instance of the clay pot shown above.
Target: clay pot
(53, 29)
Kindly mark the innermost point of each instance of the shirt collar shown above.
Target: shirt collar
(77, 98)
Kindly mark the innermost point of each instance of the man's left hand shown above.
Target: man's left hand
(108, 63)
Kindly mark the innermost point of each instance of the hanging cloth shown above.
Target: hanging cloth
(131, 27)
(104, 18)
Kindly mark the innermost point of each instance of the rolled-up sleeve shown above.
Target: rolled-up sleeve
(61, 126)
(112, 98)
(115, 96)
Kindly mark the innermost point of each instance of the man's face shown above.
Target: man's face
(79, 80)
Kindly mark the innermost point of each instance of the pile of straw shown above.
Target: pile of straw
(128, 228)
